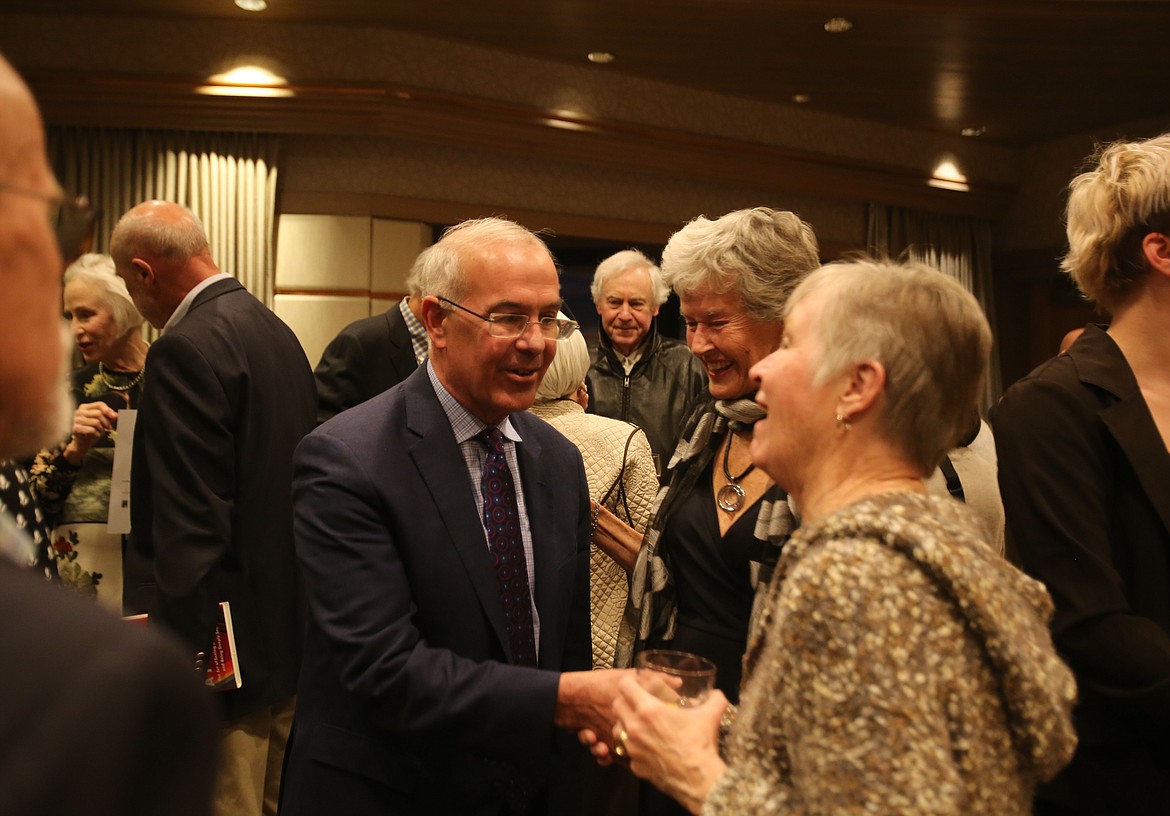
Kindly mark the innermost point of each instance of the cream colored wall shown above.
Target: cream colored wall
(333, 270)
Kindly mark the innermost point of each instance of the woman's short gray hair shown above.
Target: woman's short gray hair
(927, 331)
(760, 253)
(440, 269)
(567, 370)
(97, 270)
(618, 263)
(1111, 208)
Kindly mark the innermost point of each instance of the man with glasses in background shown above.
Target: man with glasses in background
(96, 716)
(444, 538)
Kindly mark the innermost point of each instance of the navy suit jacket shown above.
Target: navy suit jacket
(366, 357)
(228, 396)
(408, 702)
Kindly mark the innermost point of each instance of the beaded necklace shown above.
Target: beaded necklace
(105, 375)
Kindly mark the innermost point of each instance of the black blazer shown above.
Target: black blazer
(363, 360)
(408, 703)
(96, 715)
(229, 394)
(1085, 479)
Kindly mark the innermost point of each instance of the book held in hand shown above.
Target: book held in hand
(223, 666)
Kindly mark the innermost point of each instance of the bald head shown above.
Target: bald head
(33, 400)
(160, 250)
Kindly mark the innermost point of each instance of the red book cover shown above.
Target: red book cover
(223, 668)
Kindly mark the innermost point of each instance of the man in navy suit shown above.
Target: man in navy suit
(415, 696)
(228, 396)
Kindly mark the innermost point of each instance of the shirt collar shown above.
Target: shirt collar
(418, 333)
(185, 303)
(463, 423)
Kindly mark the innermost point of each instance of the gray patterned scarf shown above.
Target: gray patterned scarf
(652, 607)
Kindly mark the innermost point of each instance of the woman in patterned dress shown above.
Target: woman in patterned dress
(72, 480)
(899, 665)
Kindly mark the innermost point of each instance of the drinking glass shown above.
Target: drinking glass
(681, 678)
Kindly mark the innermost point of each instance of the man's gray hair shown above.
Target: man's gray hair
(140, 234)
(759, 253)
(618, 263)
(440, 269)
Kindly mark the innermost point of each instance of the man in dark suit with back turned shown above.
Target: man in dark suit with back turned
(448, 639)
(372, 354)
(96, 716)
(229, 395)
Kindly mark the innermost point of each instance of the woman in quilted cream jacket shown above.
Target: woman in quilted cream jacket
(619, 467)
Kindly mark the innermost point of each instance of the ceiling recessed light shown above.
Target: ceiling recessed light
(252, 5)
(947, 175)
(601, 57)
(838, 25)
(246, 80)
(800, 99)
(974, 131)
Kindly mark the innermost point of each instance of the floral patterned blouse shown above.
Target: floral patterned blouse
(899, 666)
(55, 479)
(73, 494)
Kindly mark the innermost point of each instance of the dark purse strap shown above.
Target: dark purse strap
(954, 486)
(619, 484)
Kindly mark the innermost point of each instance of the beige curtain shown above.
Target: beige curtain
(957, 246)
(227, 179)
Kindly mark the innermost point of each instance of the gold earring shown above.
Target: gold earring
(843, 423)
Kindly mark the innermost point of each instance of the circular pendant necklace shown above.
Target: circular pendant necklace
(731, 496)
(105, 375)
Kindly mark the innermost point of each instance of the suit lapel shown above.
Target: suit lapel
(552, 551)
(1102, 365)
(402, 349)
(441, 467)
(1133, 428)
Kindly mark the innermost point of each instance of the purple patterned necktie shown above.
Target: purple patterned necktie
(502, 521)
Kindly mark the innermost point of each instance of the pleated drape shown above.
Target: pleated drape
(227, 179)
(958, 246)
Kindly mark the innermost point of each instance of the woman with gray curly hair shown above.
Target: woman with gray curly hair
(899, 664)
(1084, 468)
(694, 574)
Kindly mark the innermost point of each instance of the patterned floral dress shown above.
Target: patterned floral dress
(76, 499)
(899, 666)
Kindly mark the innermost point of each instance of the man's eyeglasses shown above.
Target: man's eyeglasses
(73, 220)
(514, 325)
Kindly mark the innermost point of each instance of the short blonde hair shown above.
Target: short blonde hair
(759, 253)
(1111, 208)
(927, 331)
